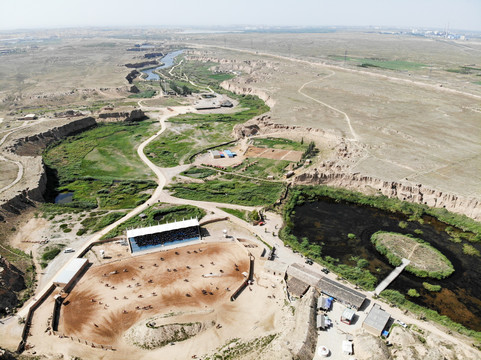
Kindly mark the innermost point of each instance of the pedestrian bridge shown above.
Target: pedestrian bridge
(390, 278)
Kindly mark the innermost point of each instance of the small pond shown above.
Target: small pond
(64, 198)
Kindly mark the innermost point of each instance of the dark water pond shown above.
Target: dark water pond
(64, 198)
(328, 222)
(167, 60)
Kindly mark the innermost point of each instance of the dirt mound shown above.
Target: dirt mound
(369, 347)
(149, 335)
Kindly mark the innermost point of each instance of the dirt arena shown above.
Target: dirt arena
(274, 154)
(110, 298)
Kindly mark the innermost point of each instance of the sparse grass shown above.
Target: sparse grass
(49, 253)
(426, 261)
(241, 214)
(469, 249)
(144, 94)
(236, 349)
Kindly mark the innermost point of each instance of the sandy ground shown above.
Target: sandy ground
(104, 321)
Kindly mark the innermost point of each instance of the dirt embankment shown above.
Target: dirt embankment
(335, 170)
(244, 66)
(27, 148)
(413, 193)
(11, 281)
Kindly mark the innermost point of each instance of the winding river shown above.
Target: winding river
(167, 61)
(328, 223)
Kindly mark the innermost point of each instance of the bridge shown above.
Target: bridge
(390, 278)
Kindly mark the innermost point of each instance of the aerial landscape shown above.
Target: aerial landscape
(305, 185)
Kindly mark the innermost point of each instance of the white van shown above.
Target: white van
(69, 250)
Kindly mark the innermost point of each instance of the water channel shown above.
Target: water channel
(328, 223)
(167, 61)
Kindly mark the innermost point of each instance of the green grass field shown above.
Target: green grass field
(196, 132)
(230, 191)
(101, 166)
(262, 168)
(279, 143)
(104, 152)
(399, 65)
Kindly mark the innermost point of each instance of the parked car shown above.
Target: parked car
(309, 262)
(69, 250)
(403, 324)
(325, 271)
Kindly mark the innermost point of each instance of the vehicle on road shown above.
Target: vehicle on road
(68, 250)
(309, 261)
(325, 271)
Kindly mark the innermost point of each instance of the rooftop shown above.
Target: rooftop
(377, 318)
(162, 228)
(73, 267)
(302, 273)
(341, 292)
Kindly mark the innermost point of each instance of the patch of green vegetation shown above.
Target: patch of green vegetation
(431, 287)
(107, 151)
(235, 349)
(279, 143)
(158, 214)
(241, 214)
(396, 298)
(399, 65)
(413, 293)
(198, 172)
(201, 73)
(111, 195)
(466, 70)
(144, 94)
(232, 192)
(49, 253)
(97, 223)
(261, 168)
(351, 236)
(403, 224)
(393, 253)
(469, 249)
(173, 148)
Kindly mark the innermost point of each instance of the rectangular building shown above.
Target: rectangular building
(71, 272)
(376, 320)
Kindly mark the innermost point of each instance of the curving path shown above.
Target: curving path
(346, 117)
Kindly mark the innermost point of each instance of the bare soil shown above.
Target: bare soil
(275, 154)
(103, 305)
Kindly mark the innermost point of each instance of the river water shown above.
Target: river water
(328, 222)
(167, 61)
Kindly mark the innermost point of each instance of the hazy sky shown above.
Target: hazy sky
(459, 14)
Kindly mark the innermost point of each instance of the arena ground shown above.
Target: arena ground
(110, 298)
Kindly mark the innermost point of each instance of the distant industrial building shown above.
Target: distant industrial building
(376, 320)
